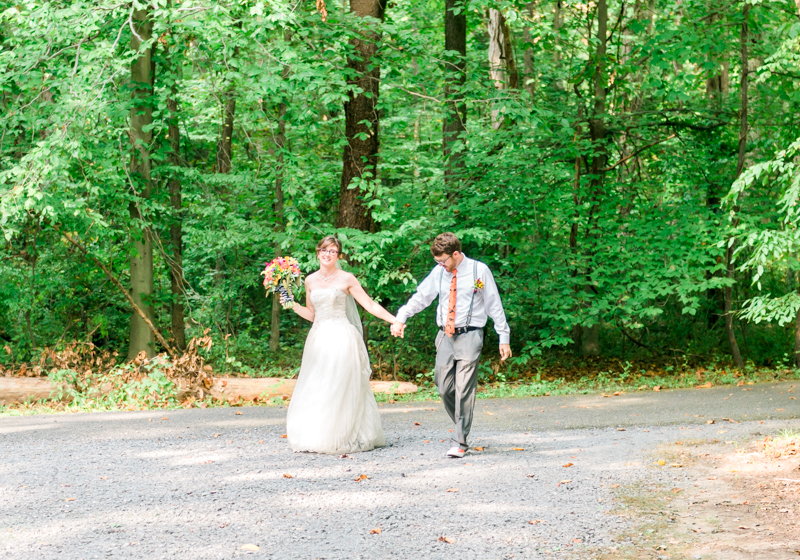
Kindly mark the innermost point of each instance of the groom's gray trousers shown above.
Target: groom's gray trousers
(456, 376)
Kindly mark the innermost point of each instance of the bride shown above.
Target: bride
(333, 409)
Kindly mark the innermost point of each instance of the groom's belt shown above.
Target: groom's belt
(462, 330)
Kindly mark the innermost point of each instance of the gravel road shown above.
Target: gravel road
(203, 483)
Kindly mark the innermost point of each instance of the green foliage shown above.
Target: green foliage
(634, 249)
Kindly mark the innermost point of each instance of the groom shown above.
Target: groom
(467, 296)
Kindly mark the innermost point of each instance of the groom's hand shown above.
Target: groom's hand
(398, 329)
(505, 352)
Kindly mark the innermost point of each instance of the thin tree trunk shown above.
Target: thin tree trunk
(455, 108)
(360, 157)
(590, 342)
(502, 66)
(743, 125)
(280, 146)
(141, 260)
(797, 336)
(225, 143)
(529, 70)
(558, 84)
(177, 283)
(223, 166)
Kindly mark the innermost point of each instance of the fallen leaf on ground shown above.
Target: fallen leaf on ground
(577, 540)
(676, 490)
(618, 393)
(535, 521)
(615, 486)
(216, 435)
(478, 448)
(70, 499)
(722, 431)
(567, 481)
(740, 383)
(165, 417)
(676, 465)
(452, 490)
(489, 413)
(657, 388)
(250, 547)
(416, 423)
(567, 465)
(103, 478)
(743, 527)
(284, 436)
(530, 475)
(425, 441)
(287, 476)
(621, 429)
(731, 420)
(779, 409)
(710, 421)
(375, 531)
(661, 462)
(238, 413)
(361, 477)
(706, 385)
(447, 540)
(517, 449)
(344, 456)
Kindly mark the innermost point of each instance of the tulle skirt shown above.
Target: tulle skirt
(333, 409)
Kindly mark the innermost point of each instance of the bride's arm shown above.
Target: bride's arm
(367, 302)
(306, 312)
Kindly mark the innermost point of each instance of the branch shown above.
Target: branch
(122, 289)
(637, 152)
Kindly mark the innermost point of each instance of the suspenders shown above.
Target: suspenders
(474, 290)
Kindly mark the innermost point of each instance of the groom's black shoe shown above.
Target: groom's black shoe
(456, 452)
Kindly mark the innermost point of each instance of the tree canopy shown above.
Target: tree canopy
(629, 170)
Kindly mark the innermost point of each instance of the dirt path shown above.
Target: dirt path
(557, 478)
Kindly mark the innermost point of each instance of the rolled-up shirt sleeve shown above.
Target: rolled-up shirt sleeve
(427, 291)
(494, 307)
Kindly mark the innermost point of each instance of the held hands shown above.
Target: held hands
(505, 352)
(398, 329)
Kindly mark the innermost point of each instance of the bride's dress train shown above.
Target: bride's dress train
(333, 409)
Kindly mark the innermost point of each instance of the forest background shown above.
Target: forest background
(628, 170)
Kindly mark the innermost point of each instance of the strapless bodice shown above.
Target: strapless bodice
(329, 304)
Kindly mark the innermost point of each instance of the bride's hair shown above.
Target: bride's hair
(330, 240)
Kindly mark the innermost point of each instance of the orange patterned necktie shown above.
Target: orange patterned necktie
(450, 326)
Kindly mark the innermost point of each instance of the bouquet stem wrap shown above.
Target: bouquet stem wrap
(279, 276)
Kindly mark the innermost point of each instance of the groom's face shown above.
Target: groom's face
(449, 262)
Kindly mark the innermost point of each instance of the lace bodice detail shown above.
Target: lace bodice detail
(329, 304)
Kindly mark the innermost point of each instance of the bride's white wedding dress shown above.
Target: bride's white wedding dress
(333, 409)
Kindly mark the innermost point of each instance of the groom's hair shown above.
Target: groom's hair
(445, 244)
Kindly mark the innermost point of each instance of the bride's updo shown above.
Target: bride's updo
(330, 240)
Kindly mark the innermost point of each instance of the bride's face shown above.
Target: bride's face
(328, 255)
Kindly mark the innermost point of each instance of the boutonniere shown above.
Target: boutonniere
(478, 285)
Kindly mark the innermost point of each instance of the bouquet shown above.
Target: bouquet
(279, 275)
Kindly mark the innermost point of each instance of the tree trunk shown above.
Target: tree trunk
(177, 283)
(597, 128)
(455, 108)
(529, 71)
(797, 336)
(360, 158)
(141, 260)
(502, 66)
(743, 125)
(558, 84)
(280, 146)
(223, 165)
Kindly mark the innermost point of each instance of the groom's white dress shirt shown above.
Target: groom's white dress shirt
(487, 300)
